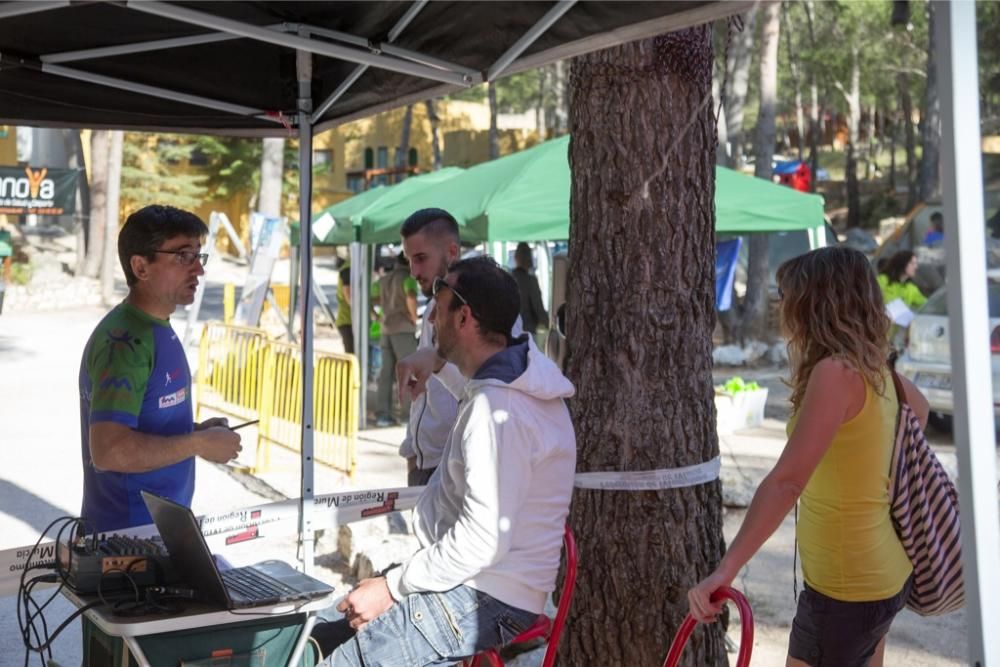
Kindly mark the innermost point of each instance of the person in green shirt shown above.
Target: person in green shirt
(343, 316)
(896, 280)
(397, 294)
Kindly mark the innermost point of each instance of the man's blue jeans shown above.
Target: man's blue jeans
(433, 629)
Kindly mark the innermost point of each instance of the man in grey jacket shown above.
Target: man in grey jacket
(490, 521)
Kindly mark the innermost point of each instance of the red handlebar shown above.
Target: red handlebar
(746, 629)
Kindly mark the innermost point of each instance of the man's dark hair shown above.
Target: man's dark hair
(433, 221)
(146, 230)
(491, 292)
(937, 221)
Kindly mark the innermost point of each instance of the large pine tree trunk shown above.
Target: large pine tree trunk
(930, 119)
(641, 312)
(99, 146)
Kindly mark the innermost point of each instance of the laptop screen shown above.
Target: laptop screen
(188, 551)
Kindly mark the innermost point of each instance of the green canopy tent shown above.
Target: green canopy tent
(341, 223)
(525, 197)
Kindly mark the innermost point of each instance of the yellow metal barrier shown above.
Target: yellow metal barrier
(336, 387)
(231, 370)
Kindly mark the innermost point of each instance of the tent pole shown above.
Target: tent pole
(971, 377)
(359, 321)
(304, 69)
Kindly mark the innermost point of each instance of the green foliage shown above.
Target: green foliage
(20, 273)
(151, 166)
(736, 385)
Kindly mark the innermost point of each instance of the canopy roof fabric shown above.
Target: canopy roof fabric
(230, 67)
(340, 223)
(525, 197)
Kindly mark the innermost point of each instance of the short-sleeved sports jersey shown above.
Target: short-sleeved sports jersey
(133, 373)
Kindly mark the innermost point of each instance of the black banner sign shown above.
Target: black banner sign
(37, 190)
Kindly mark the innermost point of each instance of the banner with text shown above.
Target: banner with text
(38, 190)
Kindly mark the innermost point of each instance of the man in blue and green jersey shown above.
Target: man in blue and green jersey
(136, 419)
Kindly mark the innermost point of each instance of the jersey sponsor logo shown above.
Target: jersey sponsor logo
(173, 399)
(109, 382)
(171, 376)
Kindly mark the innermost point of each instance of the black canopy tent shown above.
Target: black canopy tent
(248, 68)
(289, 68)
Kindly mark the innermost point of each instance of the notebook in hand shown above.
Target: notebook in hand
(266, 583)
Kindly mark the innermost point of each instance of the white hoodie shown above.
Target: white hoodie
(492, 516)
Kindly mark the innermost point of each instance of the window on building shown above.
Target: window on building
(323, 157)
(198, 158)
(355, 183)
(383, 157)
(369, 158)
(412, 157)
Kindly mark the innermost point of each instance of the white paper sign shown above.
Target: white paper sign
(899, 313)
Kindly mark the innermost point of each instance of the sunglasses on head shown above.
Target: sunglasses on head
(440, 283)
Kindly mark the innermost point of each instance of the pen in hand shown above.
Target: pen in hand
(239, 426)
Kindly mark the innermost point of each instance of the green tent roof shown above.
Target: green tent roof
(525, 197)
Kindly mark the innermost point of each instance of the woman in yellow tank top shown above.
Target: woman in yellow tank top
(836, 465)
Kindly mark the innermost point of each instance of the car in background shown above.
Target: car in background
(927, 359)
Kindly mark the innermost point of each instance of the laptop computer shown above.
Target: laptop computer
(266, 583)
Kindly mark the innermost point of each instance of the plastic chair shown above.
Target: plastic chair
(544, 627)
(746, 629)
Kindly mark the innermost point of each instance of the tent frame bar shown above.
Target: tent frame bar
(397, 29)
(968, 320)
(529, 38)
(152, 91)
(204, 19)
(13, 9)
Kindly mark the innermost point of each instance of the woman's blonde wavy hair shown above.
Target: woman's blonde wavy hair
(831, 306)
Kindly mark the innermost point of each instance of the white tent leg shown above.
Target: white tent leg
(961, 182)
(304, 66)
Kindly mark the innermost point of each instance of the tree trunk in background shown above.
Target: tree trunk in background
(893, 138)
(754, 314)
(906, 104)
(110, 266)
(272, 164)
(930, 120)
(793, 62)
(81, 218)
(719, 106)
(540, 105)
(403, 150)
(853, 98)
(99, 146)
(640, 317)
(491, 92)
(435, 121)
(814, 116)
(738, 75)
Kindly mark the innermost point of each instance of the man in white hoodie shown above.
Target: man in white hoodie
(490, 521)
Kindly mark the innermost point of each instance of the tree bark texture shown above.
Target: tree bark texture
(109, 267)
(853, 133)
(491, 93)
(738, 74)
(435, 122)
(814, 115)
(640, 318)
(930, 119)
(99, 145)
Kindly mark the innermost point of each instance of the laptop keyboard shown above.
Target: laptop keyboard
(253, 585)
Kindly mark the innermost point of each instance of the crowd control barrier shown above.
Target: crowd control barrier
(243, 374)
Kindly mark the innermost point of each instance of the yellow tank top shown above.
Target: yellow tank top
(847, 543)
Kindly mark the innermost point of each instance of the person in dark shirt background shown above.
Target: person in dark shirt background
(532, 311)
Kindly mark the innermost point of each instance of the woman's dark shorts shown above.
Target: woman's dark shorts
(830, 632)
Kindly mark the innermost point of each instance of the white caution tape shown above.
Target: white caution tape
(650, 480)
(270, 520)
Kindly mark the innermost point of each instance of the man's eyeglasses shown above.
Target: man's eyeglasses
(440, 283)
(186, 257)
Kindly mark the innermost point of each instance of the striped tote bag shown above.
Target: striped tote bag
(925, 513)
